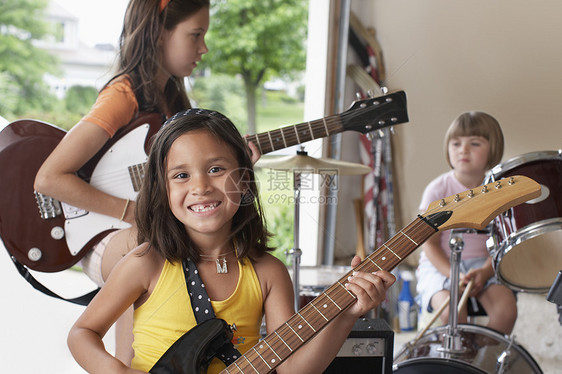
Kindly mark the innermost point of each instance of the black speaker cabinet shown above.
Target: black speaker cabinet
(368, 349)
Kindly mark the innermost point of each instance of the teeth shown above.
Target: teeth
(203, 208)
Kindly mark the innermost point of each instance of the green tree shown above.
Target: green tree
(257, 39)
(22, 65)
(79, 99)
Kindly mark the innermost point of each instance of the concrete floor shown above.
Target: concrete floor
(33, 326)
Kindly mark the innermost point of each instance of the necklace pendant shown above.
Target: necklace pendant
(222, 269)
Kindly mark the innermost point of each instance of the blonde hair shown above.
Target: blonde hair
(478, 124)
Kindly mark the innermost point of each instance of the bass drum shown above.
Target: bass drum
(525, 241)
(484, 351)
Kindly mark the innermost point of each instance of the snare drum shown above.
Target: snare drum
(526, 242)
(483, 351)
(313, 280)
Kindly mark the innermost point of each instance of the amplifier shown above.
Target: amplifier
(369, 349)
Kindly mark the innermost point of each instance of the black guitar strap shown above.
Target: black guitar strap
(203, 310)
(24, 272)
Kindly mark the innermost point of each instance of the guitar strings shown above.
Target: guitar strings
(114, 179)
(312, 315)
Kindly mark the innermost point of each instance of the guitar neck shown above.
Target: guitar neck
(363, 116)
(136, 173)
(302, 326)
(287, 136)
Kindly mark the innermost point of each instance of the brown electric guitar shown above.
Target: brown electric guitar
(49, 236)
(470, 209)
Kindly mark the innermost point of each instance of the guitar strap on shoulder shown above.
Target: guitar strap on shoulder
(203, 310)
(24, 272)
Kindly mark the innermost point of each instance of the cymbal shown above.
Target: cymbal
(305, 163)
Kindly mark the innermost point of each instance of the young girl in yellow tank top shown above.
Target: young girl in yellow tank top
(161, 43)
(199, 203)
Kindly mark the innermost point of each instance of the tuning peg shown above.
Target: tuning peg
(358, 95)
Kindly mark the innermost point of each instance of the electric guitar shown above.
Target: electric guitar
(470, 209)
(49, 236)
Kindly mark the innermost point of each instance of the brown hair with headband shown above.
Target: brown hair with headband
(156, 223)
(163, 4)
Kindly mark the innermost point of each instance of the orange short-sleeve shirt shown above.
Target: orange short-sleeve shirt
(115, 106)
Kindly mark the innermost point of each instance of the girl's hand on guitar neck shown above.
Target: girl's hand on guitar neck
(253, 151)
(370, 289)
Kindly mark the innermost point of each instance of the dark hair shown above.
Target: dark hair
(478, 124)
(155, 221)
(139, 53)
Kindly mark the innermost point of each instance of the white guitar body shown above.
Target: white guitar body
(111, 175)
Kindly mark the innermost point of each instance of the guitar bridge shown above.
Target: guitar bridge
(48, 207)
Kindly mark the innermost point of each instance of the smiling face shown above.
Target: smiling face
(184, 45)
(203, 184)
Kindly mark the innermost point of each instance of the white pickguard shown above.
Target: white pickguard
(111, 175)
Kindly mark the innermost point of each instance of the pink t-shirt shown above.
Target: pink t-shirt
(443, 186)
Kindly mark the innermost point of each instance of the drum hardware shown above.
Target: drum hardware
(503, 360)
(555, 295)
(300, 164)
(453, 348)
(440, 310)
(498, 354)
(451, 340)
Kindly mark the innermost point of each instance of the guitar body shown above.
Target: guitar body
(193, 352)
(56, 243)
(24, 145)
(84, 228)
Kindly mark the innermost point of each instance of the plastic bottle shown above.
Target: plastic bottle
(407, 308)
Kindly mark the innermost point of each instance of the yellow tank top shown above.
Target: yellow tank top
(167, 315)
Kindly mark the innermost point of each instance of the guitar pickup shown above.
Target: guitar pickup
(71, 212)
(48, 207)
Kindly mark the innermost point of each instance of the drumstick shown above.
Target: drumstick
(464, 296)
(462, 301)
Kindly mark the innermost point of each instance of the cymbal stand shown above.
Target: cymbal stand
(296, 252)
(451, 338)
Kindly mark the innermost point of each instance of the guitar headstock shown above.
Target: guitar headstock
(376, 113)
(475, 208)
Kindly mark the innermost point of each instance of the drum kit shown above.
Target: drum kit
(461, 348)
(523, 243)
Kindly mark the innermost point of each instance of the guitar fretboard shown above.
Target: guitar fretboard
(302, 326)
(296, 134)
(136, 173)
